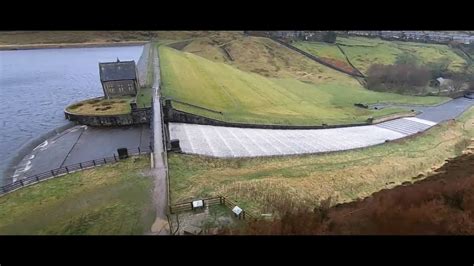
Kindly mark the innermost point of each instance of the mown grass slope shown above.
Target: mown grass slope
(111, 199)
(252, 98)
(261, 184)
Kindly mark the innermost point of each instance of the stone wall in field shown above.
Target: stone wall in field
(137, 116)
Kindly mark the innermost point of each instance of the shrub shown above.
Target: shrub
(403, 78)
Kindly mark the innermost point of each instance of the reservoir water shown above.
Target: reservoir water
(36, 86)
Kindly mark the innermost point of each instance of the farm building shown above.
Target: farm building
(119, 78)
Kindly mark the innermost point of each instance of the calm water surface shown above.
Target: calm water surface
(36, 86)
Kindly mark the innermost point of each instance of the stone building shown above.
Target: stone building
(119, 78)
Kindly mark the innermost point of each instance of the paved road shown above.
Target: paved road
(438, 113)
(160, 193)
(80, 144)
(247, 142)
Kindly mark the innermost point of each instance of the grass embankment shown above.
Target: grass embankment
(144, 97)
(252, 98)
(363, 52)
(111, 199)
(100, 106)
(261, 184)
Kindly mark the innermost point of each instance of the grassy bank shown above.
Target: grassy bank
(111, 199)
(442, 204)
(252, 98)
(260, 184)
(144, 97)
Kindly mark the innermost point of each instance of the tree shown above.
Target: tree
(407, 59)
(456, 85)
(440, 67)
(403, 78)
(329, 37)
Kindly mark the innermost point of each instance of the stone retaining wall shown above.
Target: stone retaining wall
(177, 116)
(137, 116)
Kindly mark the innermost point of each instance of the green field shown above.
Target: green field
(321, 49)
(363, 52)
(252, 98)
(112, 199)
(261, 184)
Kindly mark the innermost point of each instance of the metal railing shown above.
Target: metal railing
(30, 180)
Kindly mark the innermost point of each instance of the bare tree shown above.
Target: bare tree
(457, 85)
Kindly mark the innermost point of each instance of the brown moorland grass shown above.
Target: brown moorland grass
(69, 37)
(442, 204)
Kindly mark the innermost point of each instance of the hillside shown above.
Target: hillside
(363, 52)
(252, 98)
(19, 38)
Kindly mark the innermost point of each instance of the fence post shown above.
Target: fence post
(93, 161)
(138, 150)
(80, 165)
(67, 170)
(115, 158)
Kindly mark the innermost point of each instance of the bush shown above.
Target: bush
(403, 78)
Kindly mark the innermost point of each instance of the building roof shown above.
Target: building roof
(119, 70)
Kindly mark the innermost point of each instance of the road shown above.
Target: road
(229, 142)
(160, 192)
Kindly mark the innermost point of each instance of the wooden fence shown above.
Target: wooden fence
(68, 169)
(219, 200)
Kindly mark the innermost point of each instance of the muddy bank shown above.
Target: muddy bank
(70, 45)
